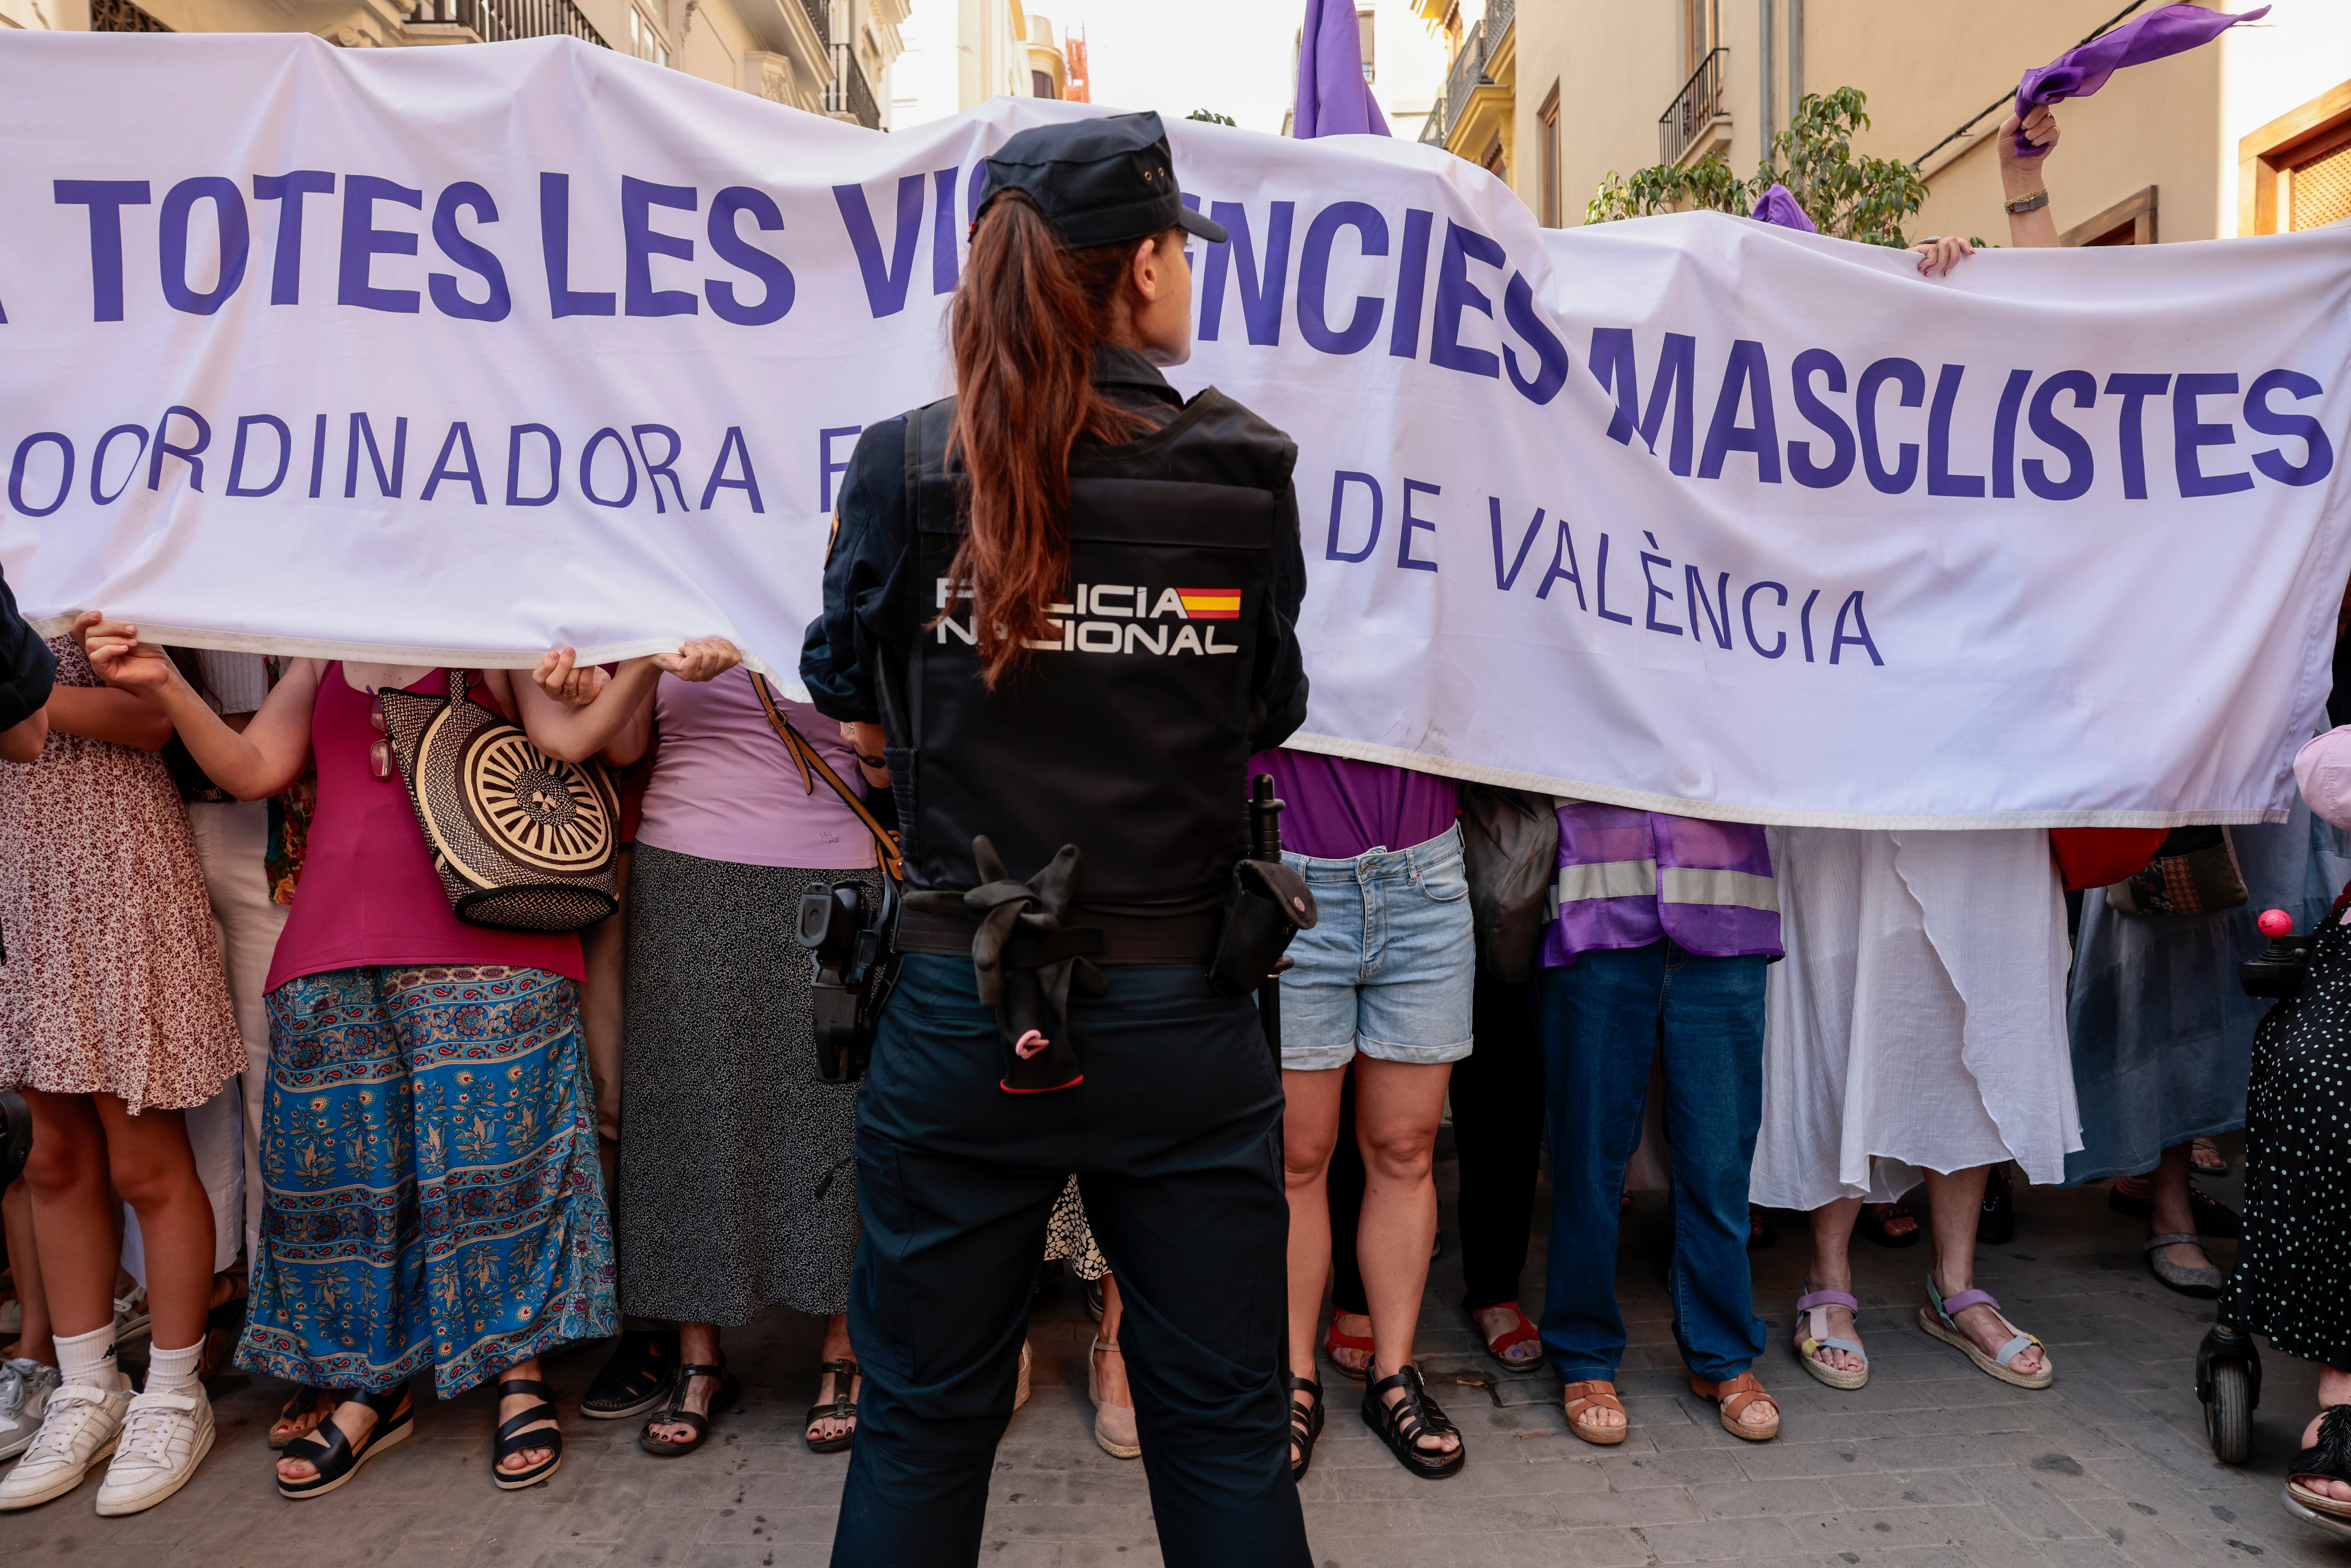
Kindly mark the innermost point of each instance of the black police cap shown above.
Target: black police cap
(1098, 181)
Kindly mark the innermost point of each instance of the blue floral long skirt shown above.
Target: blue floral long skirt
(433, 1199)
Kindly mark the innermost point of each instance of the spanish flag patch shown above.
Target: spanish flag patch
(1211, 603)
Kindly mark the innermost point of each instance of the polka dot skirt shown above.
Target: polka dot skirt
(2292, 1278)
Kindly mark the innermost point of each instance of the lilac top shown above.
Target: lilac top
(1335, 808)
(2083, 69)
(2323, 768)
(724, 789)
(1628, 878)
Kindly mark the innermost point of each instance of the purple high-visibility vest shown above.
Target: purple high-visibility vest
(1627, 878)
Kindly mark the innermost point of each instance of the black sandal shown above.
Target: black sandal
(2329, 1458)
(303, 1401)
(513, 1439)
(1402, 1426)
(333, 1456)
(675, 1414)
(1874, 1219)
(635, 1379)
(1305, 1424)
(840, 1408)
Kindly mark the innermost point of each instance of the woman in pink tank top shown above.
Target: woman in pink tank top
(429, 1143)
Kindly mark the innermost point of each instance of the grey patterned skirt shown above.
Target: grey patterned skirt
(738, 1173)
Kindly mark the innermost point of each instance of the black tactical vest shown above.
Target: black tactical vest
(1127, 736)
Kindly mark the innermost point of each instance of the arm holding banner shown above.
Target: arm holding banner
(252, 763)
(572, 714)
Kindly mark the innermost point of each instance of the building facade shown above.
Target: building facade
(2250, 135)
(827, 57)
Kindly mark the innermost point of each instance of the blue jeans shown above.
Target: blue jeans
(1601, 1019)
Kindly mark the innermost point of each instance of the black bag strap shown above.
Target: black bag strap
(812, 767)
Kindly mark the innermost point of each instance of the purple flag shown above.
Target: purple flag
(2079, 72)
(1333, 99)
(1777, 207)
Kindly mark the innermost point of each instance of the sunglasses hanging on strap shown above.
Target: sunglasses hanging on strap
(813, 767)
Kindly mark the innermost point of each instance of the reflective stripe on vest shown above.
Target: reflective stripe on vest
(1687, 884)
(1673, 884)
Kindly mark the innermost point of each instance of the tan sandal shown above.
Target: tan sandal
(1598, 1393)
(1734, 1395)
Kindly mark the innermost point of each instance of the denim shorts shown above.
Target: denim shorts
(1389, 966)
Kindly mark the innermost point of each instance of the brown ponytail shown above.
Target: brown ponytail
(1027, 318)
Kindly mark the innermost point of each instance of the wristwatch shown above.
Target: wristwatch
(2032, 203)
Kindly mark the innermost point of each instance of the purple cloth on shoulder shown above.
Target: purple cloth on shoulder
(1335, 808)
(2083, 70)
(1778, 206)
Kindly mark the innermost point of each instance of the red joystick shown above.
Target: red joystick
(2275, 922)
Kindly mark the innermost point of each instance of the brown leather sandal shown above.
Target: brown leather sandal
(1598, 1393)
(1734, 1395)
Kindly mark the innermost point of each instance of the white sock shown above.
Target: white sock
(174, 1371)
(90, 1358)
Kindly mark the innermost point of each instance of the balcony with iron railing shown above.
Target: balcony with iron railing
(850, 92)
(1468, 70)
(501, 21)
(1695, 109)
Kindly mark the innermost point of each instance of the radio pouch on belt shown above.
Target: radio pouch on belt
(1027, 962)
(1268, 905)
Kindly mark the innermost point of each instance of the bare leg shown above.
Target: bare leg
(1310, 1127)
(697, 1346)
(1957, 1200)
(1831, 1270)
(155, 1172)
(25, 1266)
(73, 1226)
(604, 953)
(1112, 1364)
(1399, 1105)
(2173, 1217)
(2334, 1389)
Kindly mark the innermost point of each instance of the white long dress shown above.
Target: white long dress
(1918, 1020)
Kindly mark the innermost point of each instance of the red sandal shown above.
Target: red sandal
(1334, 1342)
(1500, 1345)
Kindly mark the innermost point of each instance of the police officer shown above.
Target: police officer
(1060, 608)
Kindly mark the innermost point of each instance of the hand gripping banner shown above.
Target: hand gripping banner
(457, 353)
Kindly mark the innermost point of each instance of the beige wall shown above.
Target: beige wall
(757, 46)
(1927, 66)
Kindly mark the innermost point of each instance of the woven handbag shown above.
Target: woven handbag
(521, 841)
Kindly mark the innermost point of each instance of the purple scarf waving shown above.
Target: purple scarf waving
(1778, 206)
(1333, 99)
(2079, 72)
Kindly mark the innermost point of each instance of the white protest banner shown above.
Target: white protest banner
(464, 352)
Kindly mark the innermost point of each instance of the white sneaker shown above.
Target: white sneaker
(78, 1428)
(164, 1438)
(132, 1320)
(24, 1389)
(11, 1318)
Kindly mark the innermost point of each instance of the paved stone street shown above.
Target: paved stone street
(1933, 1464)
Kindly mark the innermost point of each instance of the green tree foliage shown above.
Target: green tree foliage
(1212, 116)
(1863, 199)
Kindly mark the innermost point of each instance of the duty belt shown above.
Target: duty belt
(1127, 939)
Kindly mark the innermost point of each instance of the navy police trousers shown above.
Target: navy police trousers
(1174, 1135)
